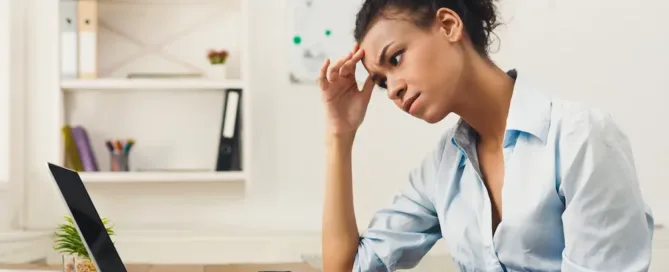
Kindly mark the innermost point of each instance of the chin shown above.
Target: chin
(434, 112)
(433, 118)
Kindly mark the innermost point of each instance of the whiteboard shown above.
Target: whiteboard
(319, 29)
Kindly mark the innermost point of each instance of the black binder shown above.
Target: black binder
(229, 148)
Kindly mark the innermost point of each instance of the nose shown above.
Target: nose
(396, 90)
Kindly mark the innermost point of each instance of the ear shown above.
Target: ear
(450, 24)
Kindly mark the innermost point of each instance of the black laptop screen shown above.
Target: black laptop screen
(86, 216)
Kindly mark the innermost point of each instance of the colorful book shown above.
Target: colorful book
(86, 153)
(72, 159)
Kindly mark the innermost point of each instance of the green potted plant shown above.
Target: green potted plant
(217, 60)
(69, 244)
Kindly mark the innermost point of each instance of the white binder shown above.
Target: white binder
(68, 39)
(87, 17)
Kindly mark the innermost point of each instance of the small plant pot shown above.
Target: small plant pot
(217, 71)
(73, 263)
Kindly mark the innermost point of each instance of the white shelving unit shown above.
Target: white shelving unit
(130, 41)
(162, 177)
(150, 84)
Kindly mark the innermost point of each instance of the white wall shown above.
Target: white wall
(4, 111)
(608, 53)
(4, 87)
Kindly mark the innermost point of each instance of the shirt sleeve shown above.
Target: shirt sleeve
(400, 235)
(607, 225)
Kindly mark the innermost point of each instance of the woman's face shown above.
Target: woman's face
(420, 68)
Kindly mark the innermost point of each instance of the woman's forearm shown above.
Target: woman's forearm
(340, 232)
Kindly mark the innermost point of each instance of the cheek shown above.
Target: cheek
(424, 61)
(425, 78)
(429, 69)
(420, 73)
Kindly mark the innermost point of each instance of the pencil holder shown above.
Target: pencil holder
(119, 162)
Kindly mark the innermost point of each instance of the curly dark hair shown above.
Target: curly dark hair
(479, 16)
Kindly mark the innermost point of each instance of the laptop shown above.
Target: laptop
(100, 247)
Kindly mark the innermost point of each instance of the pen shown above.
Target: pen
(128, 145)
(117, 143)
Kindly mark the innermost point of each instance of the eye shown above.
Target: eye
(382, 84)
(396, 59)
(380, 81)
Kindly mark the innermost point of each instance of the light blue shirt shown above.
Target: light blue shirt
(571, 198)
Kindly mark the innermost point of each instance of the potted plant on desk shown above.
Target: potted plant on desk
(72, 248)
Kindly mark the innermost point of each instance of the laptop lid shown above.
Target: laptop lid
(98, 243)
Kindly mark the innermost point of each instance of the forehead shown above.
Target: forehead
(381, 33)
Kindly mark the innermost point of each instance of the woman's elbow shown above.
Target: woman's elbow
(361, 258)
(336, 259)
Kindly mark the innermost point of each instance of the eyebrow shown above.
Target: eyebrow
(382, 56)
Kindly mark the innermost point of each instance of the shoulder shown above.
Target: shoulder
(444, 147)
(446, 139)
(588, 139)
(592, 151)
(424, 177)
(444, 154)
(575, 122)
(439, 152)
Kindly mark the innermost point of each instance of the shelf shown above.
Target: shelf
(113, 84)
(161, 177)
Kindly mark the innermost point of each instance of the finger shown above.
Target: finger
(358, 54)
(368, 87)
(333, 70)
(356, 47)
(349, 66)
(322, 75)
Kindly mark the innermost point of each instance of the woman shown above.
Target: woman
(524, 182)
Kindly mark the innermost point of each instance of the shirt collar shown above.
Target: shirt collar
(529, 112)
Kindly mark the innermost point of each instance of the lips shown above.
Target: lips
(406, 106)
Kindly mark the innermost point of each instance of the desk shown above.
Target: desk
(24, 270)
(294, 267)
(429, 263)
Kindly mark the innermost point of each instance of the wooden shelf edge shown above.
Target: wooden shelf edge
(149, 84)
(162, 177)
